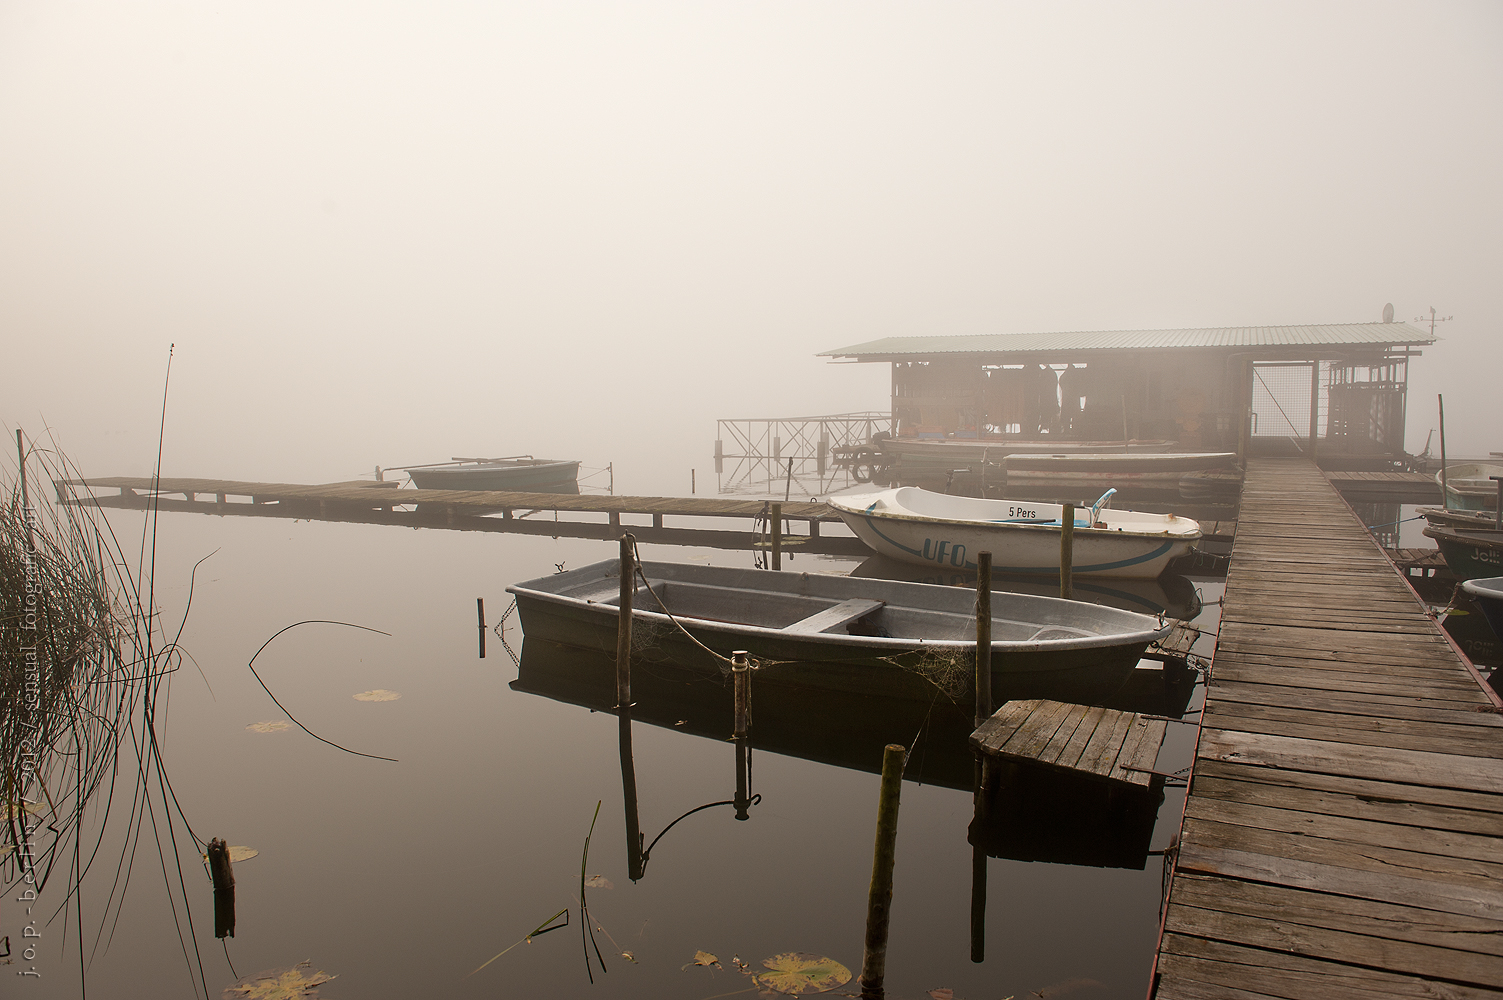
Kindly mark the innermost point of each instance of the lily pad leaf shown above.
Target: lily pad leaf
(292, 983)
(800, 972)
(239, 852)
(703, 958)
(599, 882)
(268, 727)
(380, 694)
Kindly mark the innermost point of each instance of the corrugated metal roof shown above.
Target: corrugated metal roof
(1325, 335)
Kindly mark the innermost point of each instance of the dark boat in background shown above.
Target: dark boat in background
(517, 473)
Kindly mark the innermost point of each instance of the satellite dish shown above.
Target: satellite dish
(1388, 313)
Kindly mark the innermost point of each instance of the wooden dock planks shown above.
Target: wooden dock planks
(1100, 742)
(1343, 835)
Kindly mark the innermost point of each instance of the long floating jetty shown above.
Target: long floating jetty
(1343, 833)
(370, 502)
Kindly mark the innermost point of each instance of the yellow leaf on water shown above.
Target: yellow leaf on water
(278, 984)
(239, 852)
(703, 958)
(599, 882)
(380, 694)
(268, 727)
(800, 972)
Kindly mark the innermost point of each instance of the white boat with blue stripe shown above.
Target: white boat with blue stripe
(934, 529)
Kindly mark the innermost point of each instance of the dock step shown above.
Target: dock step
(1100, 742)
(840, 614)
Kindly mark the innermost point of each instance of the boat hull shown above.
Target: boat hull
(1488, 593)
(1023, 537)
(1112, 470)
(522, 476)
(1469, 554)
(1467, 487)
(1083, 668)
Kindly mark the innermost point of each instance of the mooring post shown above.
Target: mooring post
(983, 637)
(623, 626)
(1066, 551)
(743, 780)
(1445, 495)
(777, 536)
(378, 475)
(634, 863)
(224, 888)
(884, 855)
(480, 611)
(978, 867)
(741, 674)
(692, 474)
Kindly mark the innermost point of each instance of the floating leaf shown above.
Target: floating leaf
(268, 727)
(703, 958)
(629, 957)
(800, 972)
(741, 966)
(380, 694)
(599, 882)
(239, 852)
(278, 984)
(943, 993)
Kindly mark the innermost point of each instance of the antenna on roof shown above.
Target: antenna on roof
(1388, 313)
(1433, 320)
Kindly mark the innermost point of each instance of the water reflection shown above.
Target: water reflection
(1171, 595)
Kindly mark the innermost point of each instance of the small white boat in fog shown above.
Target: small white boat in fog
(1023, 536)
(1469, 486)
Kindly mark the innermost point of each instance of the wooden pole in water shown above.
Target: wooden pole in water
(1445, 496)
(480, 611)
(623, 626)
(777, 536)
(224, 888)
(978, 868)
(884, 856)
(983, 637)
(743, 780)
(634, 863)
(1067, 551)
(692, 474)
(741, 674)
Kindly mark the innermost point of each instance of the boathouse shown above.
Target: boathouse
(1336, 390)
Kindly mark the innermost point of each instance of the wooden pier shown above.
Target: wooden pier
(1343, 833)
(371, 502)
(1097, 742)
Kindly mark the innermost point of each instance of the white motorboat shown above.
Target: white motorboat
(1023, 536)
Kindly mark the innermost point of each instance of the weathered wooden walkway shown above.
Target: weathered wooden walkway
(1343, 835)
(1098, 742)
(370, 502)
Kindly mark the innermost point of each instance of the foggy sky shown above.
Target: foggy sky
(390, 233)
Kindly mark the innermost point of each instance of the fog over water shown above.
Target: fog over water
(388, 234)
(391, 234)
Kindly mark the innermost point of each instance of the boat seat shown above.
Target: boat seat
(609, 592)
(840, 614)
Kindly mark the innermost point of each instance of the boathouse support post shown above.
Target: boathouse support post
(1067, 551)
(623, 627)
(776, 517)
(983, 636)
(1314, 406)
(741, 674)
(884, 856)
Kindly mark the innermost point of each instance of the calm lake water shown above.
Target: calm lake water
(402, 878)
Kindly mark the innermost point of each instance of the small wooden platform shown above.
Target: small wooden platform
(1099, 742)
(1394, 487)
(1343, 833)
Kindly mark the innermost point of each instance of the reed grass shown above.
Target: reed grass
(83, 660)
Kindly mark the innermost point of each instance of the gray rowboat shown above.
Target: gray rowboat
(839, 633)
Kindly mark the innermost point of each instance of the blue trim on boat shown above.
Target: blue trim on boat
(1026, 570)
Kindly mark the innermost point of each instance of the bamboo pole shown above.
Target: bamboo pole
(983, 637)
(1067, 551)
(623, 626)
(884, 855)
